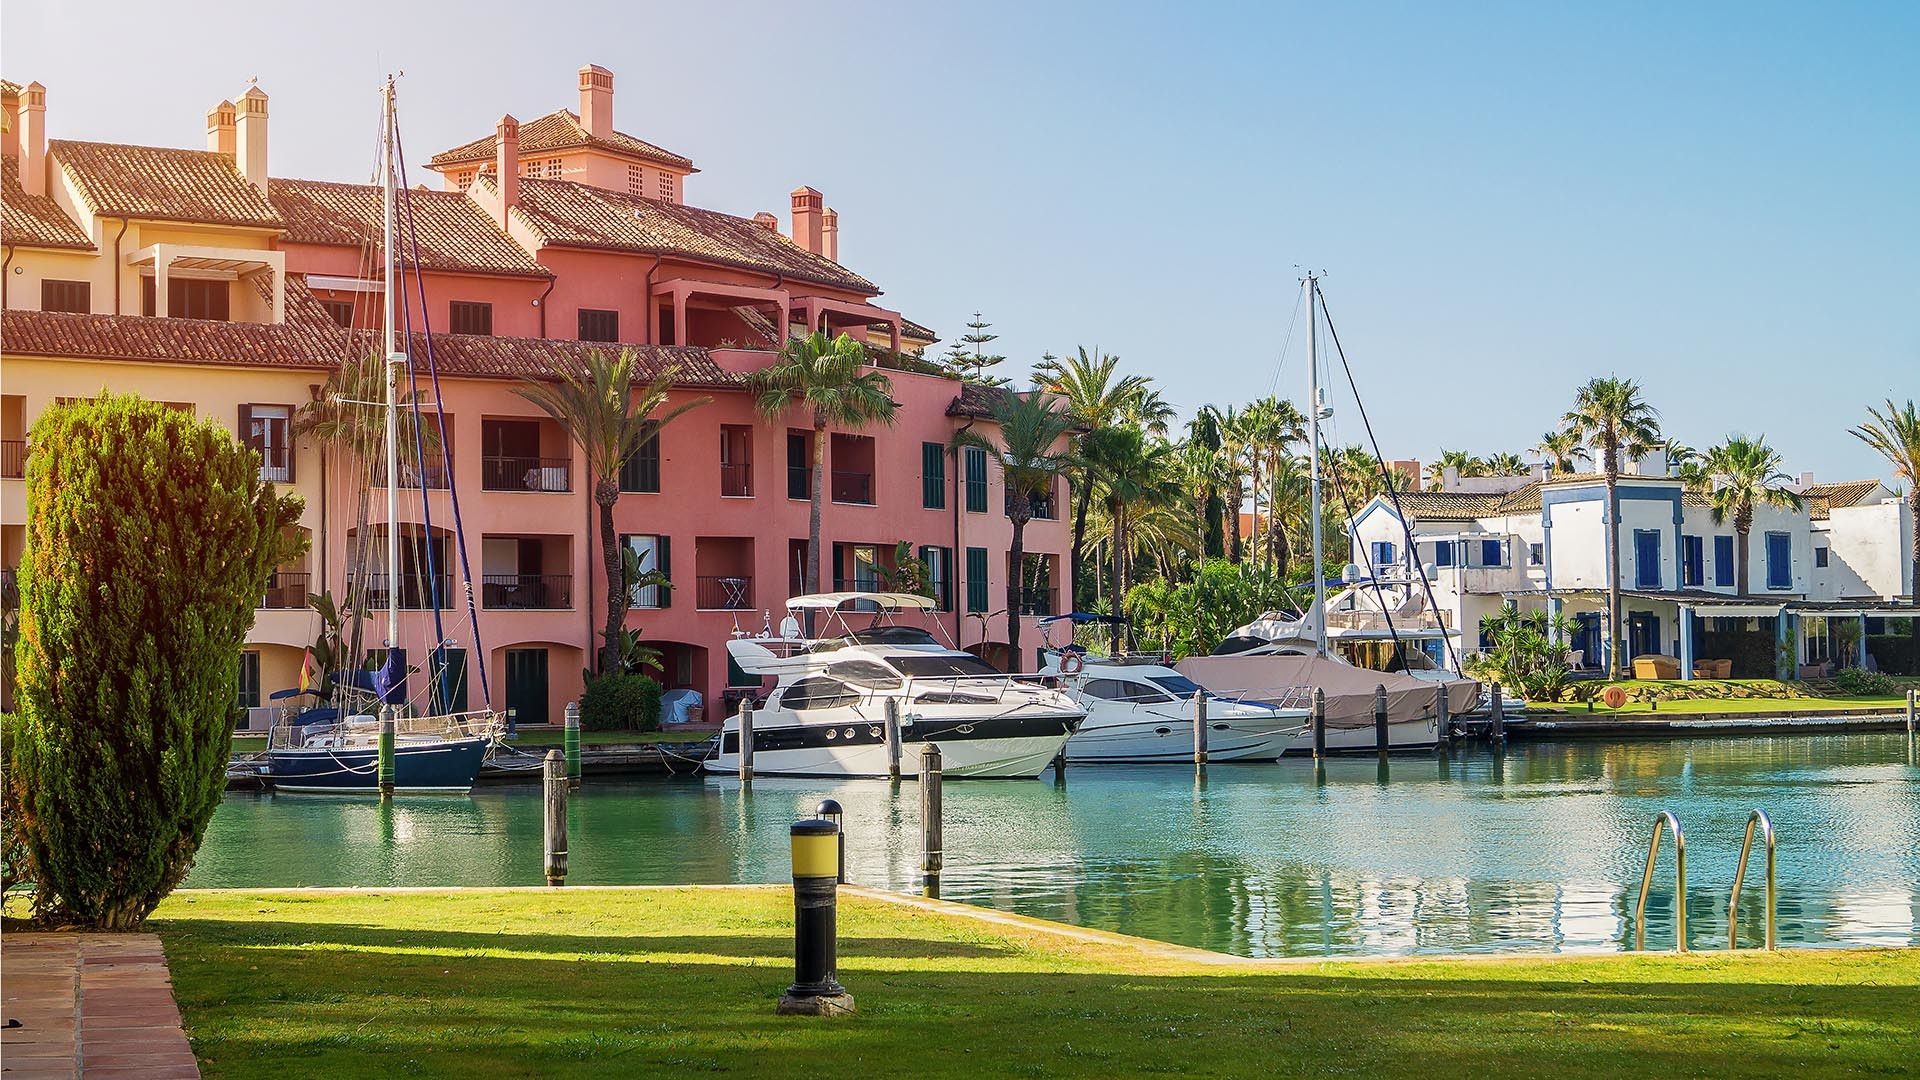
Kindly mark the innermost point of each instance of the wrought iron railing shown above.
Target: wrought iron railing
(736, 481)
(526, 591)
(723, 593)
(13, 458)
(515, 473)
(286, 589)
(852, 487)
(413, 593)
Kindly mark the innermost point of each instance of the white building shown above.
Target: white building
(1540, 544)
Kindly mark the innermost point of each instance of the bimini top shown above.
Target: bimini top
(832, 600)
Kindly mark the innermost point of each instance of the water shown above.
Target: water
(1539, 851)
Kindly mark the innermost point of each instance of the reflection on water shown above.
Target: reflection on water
(1538, 850)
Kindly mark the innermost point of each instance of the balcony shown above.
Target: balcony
(723, 593)
(433, 475)
(1042, 507)
(286, 589)
(852, 487)
(13, 458)
(1040, 602)
(527, 592)
(515, 473)
(736, 481)
(276, 465)
(413, 593)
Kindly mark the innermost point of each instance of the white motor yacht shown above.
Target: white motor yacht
(826, 715)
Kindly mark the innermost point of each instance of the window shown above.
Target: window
(340, 311)
(942, 666)
(1536, 554)
(1493, 553)
(1126, 691)
(1819, 556)
(1382, 553)
(551, 169)
(817, 692)
(248, 694)
(976, 462)
(736, 461)
(71, 296)
(799, 465)
(469, 317)
(597, 325)
(267, 430)
(1723, 561)
(655, 553)
(465, 179)
(641, 471)
(1693, 561)
(666, 186)
(1779, 560)
(976, 579)
(868, 674)
(187, 298)
(1646, 558)
(933, 476)
(1178, 685)
(1443, 553)
(939, 562)
(636, 180)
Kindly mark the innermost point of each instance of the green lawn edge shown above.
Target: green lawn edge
(632, 982)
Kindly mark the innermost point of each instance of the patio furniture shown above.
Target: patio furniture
(1655, 666)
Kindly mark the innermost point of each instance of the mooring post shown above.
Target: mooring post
(570, 739)
(746, 744)
(388, 725)
(1380, 718)
(933, 855)
(556, 784)
(1319, 723)
(892, 730)
(1913, 705)
(816, 899)
(829, 810)
(1442, 722)
(1498, 717)
(1200, 728)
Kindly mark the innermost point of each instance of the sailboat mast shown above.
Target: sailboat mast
(1319, 611)
(395, 357)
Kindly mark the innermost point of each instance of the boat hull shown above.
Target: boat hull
(1415, 734)
(1001, 748)
(442, 767)
(1147, 736)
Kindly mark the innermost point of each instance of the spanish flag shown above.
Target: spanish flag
(306, 670)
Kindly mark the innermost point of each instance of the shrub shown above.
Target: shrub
(1856, 683)
(620, 703)
(148, 543)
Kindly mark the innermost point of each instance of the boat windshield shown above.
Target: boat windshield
(1177, 685)
(1232, 645)
(942, 666)
(892, 635)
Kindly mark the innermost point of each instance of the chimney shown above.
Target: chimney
(250, 145)
(767, 221)
(596, 100)
(1450, 479)
(806, 219)
(1806, 480)
(220, 133)
(506, 165)
(9, 130)
(32, 122)
(830, 234)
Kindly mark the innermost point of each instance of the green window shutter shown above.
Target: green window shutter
(976, 579)
(933, 476)
(666, 567)
(976, 462)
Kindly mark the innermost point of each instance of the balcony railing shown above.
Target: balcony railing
(512, 473)
(13, 458)
(276, 463)
(736, 481)
(852, 487)
(1042, 602)
(526, 591)
(1042, 508)
(723, 593)
(286, 589)
(799, 482)
(434, 475)
(413, 593)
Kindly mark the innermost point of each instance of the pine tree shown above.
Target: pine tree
(968, 357)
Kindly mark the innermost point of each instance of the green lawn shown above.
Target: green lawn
(566, 983)
(1811, 705)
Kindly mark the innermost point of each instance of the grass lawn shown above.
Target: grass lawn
(1810, 705)
(565, 983)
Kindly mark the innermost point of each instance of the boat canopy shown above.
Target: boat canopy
(1078, 617)
(832, 600)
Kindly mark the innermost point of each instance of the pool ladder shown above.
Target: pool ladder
(1667, 823)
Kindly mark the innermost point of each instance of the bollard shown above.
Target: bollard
(1200, 728)
(1380, 719)
(829, 810)
(933, 856)
(570, 739)
(556, 785)
(815, 991)
(1319, 723)
(892, 732)
(746, 744)
(1497, 717)
(1442, 722)
(387, 765)
(1913, 705)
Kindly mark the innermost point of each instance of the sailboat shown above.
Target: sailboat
(335, 747)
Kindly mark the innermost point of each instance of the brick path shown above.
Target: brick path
(98, 1005)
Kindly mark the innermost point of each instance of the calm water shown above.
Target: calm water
(1539, 851)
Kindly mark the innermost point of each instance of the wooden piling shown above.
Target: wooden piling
(1913, 706)
(570, 740)
(556, 806)
(1443, 723)
(1380, 719)
(892, 714)
(1319, 723)
(1497, 717)
(1200, 728)
(746, 744)
(933, 855)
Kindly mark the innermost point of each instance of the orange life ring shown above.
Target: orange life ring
(1614, 697)
(1071, 664)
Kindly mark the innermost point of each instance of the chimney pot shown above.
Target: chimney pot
(767, 221)
(10, 130)
(596, 101)
(220, 129)
(32, 125)
(808, 229)
(830, 234)
(1806, 479)
(506, 165)
(250, 143)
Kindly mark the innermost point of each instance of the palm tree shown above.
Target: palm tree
(1269, 427)
(824, 377)
(1610, 416)
(1735, 477)
(601, 412)
(1680, 457)
(1505, 463)
(1097, 400)
(1233, 452)
(1896, 435)
(1562, 452)
(1131, 472)
(1030, 457)
(1290, 492)
(1461, 462)
(1203, 472)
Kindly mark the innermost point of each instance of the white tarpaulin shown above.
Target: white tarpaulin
(1349, 689)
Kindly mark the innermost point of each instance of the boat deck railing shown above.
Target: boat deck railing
(465, 725)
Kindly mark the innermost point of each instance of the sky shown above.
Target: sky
(1717, 200)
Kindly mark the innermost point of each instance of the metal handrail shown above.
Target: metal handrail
(1667, 821)
(1757, 818)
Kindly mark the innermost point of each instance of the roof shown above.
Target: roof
(567, 214)
(34, 220)
(560, 130)
(1821, 498)
(977, 400)
(163, 184)
(1451, 505)
(908, 329)
(454, 234)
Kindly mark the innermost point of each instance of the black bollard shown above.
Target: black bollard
(1443, 723)
(815, 990)
(556, 831)
(933, 856)
(1319, 723)
(1380, 719)
(1498, 718)
(829, 810)
(746, 744)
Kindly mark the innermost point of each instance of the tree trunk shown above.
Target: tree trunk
(1016, 587)
(813, 511)
(605, 494)
(1913, 585)
(1113, 534)
(1233, 509)
(1083, 498)
(1743, 554)
(1614, 643)
(1253, 530)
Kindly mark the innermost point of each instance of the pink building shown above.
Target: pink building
(196, 277)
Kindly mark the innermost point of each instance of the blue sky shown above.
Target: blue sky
(1715, 199)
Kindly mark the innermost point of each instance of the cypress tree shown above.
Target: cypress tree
(149, 539)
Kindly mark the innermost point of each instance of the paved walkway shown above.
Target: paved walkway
(98, 1005)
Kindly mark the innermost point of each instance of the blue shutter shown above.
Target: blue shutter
(1646, 551)
(1779, 561)
(1490, 553)
(1382, 553)
(1693, 558)
(1723, 561)
(1443, 553)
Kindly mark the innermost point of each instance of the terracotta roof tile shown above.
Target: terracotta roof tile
(560, 130)
(455, 235)
(578, 215)
(34, 220)
(1450, 505)
(1822, 498)
(908, 329)
(977, 399)
(163, 184)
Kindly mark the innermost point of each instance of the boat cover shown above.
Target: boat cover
(1349, 689)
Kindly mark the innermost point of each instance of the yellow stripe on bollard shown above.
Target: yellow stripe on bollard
(816, 855)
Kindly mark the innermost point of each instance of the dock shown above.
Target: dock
(521, 765)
